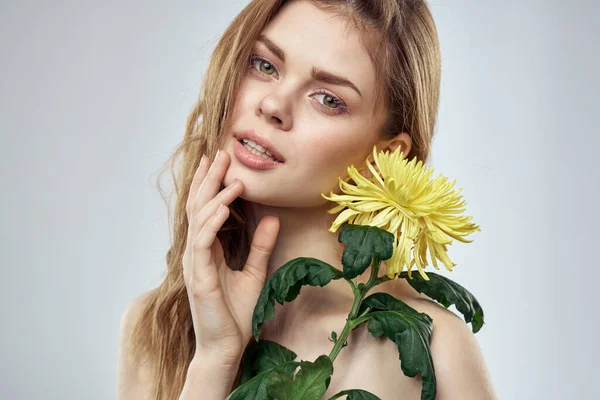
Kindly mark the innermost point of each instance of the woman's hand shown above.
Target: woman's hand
(221, 300)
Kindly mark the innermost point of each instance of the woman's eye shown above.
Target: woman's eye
(332, 103)
(264, 66)
(329, 100)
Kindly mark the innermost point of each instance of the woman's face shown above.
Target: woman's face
(319, 128)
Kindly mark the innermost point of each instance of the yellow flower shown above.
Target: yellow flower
(420, 212)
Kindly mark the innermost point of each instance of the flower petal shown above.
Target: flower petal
(424, 213)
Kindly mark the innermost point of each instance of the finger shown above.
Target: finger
(196, 182)
(225, 196)
(212, 182)
(261, 248)
(203, 263)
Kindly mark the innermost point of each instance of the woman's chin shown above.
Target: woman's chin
(258, 196)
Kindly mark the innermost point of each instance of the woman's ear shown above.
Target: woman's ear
(403, 140)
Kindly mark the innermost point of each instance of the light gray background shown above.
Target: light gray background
(94, 97)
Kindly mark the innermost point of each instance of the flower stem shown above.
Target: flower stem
(352, 321)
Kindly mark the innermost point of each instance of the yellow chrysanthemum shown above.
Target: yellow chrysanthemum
(420, 212)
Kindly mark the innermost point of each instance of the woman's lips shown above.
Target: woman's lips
(252, 160)
(249, 134)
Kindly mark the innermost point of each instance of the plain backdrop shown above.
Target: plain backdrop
(94, 98)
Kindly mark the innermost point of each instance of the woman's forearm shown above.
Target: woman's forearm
(208, 379)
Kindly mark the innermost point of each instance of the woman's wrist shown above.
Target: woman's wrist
(208, 377)
(223, 357)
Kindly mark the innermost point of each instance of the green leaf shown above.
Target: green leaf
(355, 394)
(333, 336)
(310, 383)
(262, 356)
(285, 284)
(410, 330)
(447, 292)
(363, 242)
(256, 388)
(280, 386)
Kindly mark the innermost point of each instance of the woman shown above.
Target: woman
(317, 84)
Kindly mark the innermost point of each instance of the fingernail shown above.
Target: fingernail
(217, 155)
(220, 208)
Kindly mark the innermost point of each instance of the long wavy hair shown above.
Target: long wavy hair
(401, 39)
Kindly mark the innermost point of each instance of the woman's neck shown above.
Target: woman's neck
(304, 232)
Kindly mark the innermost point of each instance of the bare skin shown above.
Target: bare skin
(304, 326)
(317, 148)
(278, 100)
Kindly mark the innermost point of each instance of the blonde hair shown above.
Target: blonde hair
(408, 68)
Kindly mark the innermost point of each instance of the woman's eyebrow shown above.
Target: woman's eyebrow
(317, 74)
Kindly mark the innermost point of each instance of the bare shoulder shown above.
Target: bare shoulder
(134, 309)
(460, 368)
(134, 376)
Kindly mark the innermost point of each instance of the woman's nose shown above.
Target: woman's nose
(276, 111)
